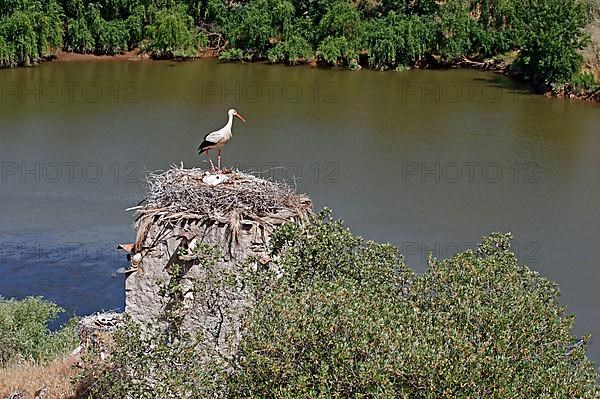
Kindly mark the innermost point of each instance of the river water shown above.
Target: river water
(426, 160)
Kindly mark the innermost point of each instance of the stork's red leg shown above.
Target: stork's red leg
(219, 161)
(210, 160)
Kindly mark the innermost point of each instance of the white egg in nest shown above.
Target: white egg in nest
(214, 179)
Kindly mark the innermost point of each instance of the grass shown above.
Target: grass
(30, 377)
(31, 356)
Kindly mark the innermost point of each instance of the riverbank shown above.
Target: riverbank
(132, 55)
(135, 54)
(549, 37)
(506, 65)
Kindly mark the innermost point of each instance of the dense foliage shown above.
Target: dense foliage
(154, 366)
(29, 31)
(171, 34)
(348, 319)
(550, 48)
(352, 321)
(390, 34)
(24, 333)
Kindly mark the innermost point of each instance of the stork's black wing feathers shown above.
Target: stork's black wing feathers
(205, 145)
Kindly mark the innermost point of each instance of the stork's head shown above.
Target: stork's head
(233, 112)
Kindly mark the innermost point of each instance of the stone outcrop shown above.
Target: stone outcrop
(174, 281)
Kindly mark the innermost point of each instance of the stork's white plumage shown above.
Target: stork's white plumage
(218, 138)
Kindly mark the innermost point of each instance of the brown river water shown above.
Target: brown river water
(427, 160)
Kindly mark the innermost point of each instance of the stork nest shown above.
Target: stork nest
(180, 194)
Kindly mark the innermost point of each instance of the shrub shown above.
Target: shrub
(326, 250)
(24, 333)
(383, 43)
(304, 27)
(329, 339)
(73, 8)
(583, 83)
(476, 325)
(318, 331)
(116, 9)
(547, 35)
(30, 31)
(455, 36)
(417, 7)
(342, 317)
(234, 54)
(592, 9)
(151, 365)
(488, 326)
(164, 360)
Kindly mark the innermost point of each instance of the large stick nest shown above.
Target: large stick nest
(180, 194)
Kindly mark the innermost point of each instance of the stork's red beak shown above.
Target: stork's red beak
(241, 117)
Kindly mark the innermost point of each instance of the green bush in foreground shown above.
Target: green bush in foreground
(476, 325)
(24, 333)
(155, 366)
(348, 319)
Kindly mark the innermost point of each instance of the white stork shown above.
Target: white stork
(218, 138)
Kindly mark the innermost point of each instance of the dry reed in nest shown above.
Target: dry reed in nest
(178, 195)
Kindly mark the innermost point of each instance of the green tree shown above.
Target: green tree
(399, 41)
(547, 35)
(552, 37)
(172, 34)
(8, 57)
(19, 30)
(135, 25)
(113, 37)
(342, 20)
(341, 32)
(31, 30)
(255, 26)
(78, 37)
(456, 31)
(336, 51)
(499, 22)
(291, 50)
